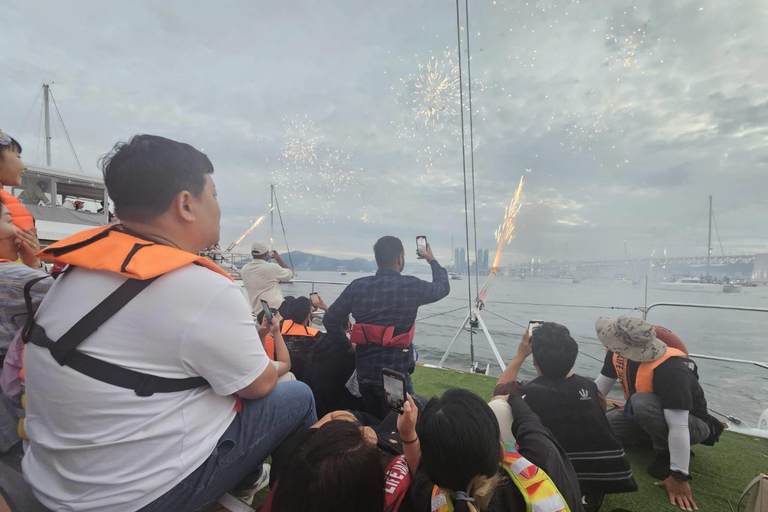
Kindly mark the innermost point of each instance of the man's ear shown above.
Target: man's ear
(183, 204)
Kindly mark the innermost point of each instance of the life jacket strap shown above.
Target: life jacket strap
(66, 354)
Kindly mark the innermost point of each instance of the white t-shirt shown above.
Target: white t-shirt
(262, 281)
(99, 447)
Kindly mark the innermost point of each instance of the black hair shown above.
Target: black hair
(145, 174)
(285, 307)
(387, 249)
(460, 443)
(333, 470)
(554, 350)
(13, 145)
(300, 309)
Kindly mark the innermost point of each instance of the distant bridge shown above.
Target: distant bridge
(693, 261)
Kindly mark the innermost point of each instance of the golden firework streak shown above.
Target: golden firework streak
(248, 231)
(504, 236)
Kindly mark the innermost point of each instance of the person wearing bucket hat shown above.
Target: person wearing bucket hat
(262, 279)
(665, 407)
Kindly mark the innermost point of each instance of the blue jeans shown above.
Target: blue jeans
(253, 435)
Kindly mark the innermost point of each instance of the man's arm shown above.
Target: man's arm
(335, 319)
(608, 376)
(440, 287)
(507, 383)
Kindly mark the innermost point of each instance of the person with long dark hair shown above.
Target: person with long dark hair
(465, 464)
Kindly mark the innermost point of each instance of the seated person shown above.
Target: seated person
(274, 345)
(563, 400)
(15, 244)
(666, 406)
(158, 427)
(465, 465)
(335, 466)
(299, 337)
(329, 373)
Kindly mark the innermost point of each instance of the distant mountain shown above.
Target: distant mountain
(306, 261)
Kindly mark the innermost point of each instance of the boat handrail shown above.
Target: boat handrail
(712, 306)
(313, 283)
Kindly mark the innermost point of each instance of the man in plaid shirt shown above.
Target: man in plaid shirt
(385, 299)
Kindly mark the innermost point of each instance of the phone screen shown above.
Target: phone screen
(421, 244)
(394, 389)
(267, 312)
(533, 325)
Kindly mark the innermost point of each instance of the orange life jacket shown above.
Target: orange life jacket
(114, 249)
(644, 377)
(365, 334)
(22, 219)
(289, 328)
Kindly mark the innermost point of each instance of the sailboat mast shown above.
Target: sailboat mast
(709, 236)
(47, 126)
(271, 216)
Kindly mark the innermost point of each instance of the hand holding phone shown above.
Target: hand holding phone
(421, 245)
(394, 389)
(267, 311)
(533, 325)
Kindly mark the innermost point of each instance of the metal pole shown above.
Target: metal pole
(709, 237)
(47, 127)
(271, 216)
(491, 343)
(448, 350)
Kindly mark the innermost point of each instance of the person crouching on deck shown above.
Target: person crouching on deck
(384, 307)
(665, 405)
(151, 391)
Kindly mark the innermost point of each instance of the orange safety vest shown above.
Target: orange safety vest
(21, 216)
(292, 329)
(114, 249)
(644, 377)
(538, 489)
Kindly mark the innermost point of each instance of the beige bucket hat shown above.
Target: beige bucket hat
(631, 337)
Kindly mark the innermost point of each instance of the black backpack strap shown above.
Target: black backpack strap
(96, 317)
(66, 354)
(28, 302)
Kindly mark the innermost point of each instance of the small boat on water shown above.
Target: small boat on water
(731, 288)
(454, 275)
(342, 271)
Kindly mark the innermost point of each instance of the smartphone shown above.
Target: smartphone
(267, 311)
(421, 245)
(533, 325)
(394, 389)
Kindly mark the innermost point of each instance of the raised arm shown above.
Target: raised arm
(440, 287)
(507, 383)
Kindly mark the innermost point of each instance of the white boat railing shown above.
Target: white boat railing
(761, 364)
(313, 283)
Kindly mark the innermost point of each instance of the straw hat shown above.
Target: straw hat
(630, 337)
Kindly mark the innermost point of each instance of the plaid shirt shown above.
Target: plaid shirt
(386, 299)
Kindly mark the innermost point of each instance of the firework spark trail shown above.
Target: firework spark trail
(247, 232)
(506, 232)
(300, 140)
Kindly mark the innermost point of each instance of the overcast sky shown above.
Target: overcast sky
(623, 117)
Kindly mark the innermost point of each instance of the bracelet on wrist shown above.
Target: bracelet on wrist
(409, 442)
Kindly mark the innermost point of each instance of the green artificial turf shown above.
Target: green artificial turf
(720, 473)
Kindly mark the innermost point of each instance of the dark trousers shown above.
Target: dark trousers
(649, 425)
(373, 397)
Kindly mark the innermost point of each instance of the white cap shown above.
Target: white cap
(259, 248)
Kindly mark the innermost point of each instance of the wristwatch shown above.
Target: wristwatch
(680, 476)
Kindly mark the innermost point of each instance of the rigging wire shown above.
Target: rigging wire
(282, 226)
(557, 305)
(505, 319)
(471, 141)
(66, 132)
(464, 168)
(39, 92)
(439, 314)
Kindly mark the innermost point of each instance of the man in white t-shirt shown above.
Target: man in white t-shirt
(262, 279)
(96, 446)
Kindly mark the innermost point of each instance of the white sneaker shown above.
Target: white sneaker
(246, 496)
